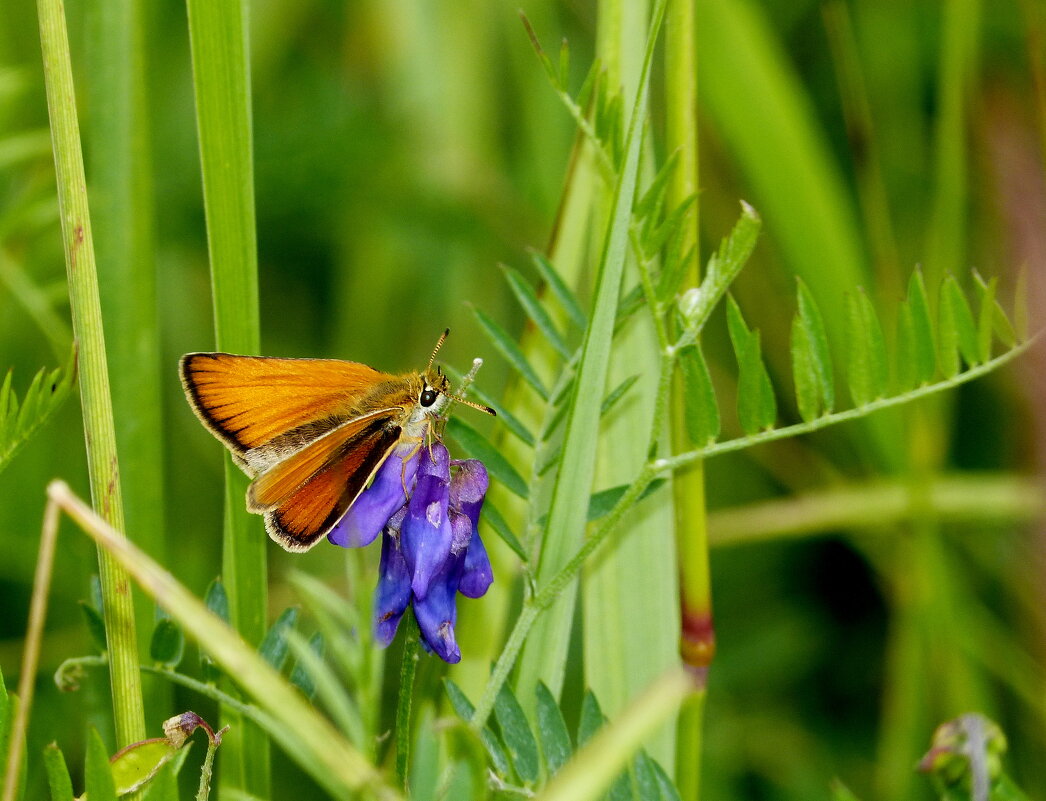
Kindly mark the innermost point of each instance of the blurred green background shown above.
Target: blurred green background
(404, 148)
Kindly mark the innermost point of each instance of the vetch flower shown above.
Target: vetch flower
(377, 503)
(427, 508)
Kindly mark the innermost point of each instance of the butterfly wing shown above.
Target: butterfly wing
(264, 408)
(305, 494)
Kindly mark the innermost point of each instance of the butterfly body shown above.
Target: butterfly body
(311, 433)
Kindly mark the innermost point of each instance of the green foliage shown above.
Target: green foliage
(19, 420)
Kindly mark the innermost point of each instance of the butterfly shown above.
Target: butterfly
(312, 433)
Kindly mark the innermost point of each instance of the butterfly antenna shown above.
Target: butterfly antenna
(468, 379)
(439, 344)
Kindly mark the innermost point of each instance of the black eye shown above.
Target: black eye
(428, 397)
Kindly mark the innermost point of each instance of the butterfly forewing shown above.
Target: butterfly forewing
(302, 518)
(248, 401)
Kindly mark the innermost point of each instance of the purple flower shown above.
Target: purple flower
(427, 508)
(377, 503)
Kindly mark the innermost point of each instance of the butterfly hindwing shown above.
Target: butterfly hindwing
(301, 504)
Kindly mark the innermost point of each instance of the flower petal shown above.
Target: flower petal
(437, 611)
(393, 591)
(477, 574)
(378, 502)
(427, 532)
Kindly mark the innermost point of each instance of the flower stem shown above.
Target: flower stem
(406, 695)
(687, 458)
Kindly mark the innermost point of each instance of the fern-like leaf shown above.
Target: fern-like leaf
(20, 420)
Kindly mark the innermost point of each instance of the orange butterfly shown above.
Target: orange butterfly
(311, 432)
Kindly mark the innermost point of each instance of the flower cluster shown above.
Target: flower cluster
(426, 507)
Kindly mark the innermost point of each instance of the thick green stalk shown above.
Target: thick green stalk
(86, 311)
(217, 34)
(121, 196)
(697, 635)
(544, 656)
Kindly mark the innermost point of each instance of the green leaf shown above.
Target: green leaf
(507, 347)
(19, 421)
(616, 394)
(164, 787)
(167, 646)
(563, 75)
(516, 734)
(464, 709)
(667, 789)
(723, 266)
(867, 365)
(957, 310)
(922, 329)
(57, 774)
(840, 792)
(552, 730)
(300, 676)
(567, 300)
(653, 197)
(135, 766)
(501, 527)
(273, 648)
(756, 405)
(591, 719)
(600, 503)
(810, 319)
(478, 447)
(98, 776)
(700, 410)
(807, 390)
(1020, 306)
(907, 360)
(424, 775)
(6, 721)
(528, 299)
(646, 783)
(991, 317)
(217, 601)
(505, 417)
(95, 625)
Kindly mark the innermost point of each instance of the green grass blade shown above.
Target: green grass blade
(218, 43)
(544, 654)
(789, 165)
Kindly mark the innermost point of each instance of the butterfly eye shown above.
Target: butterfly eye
(428, 397)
